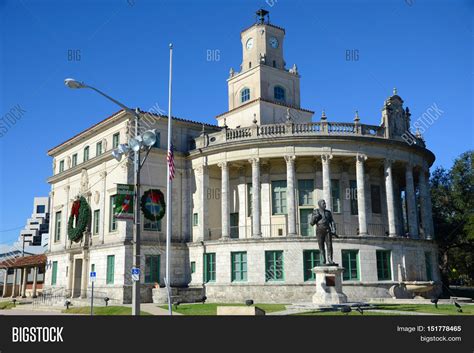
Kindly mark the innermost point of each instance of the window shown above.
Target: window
(383, 265)
(311, 259)
(98, 148)
(274, 266)
(61, 166)
(86, 153)
(279, 197)
(274, 63)
(151, 226)
(115, 140)
(336, 196)
(193, 266)
(234, 225)
(96, 222)
(279, 93)
(157, 142)
(152, 269)
(429, 266)
(244, 95)
(110, 269)
(353, 196)
(74, 159)
(250, 64)
(54, 273)
(57, 226)
(195, 219)
(305, 192)
(40, 208)
(239, 266)
(350, 262)
(112, 220)
(209, 267)
(375, 198)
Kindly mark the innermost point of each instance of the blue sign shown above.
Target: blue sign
(135, 274)
(92, 276)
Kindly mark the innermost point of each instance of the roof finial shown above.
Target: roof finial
(395, 91)
(323, 115)
(356, 117)
(261, 13)
(225, 123)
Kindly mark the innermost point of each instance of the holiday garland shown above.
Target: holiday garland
(80, 211)
(156, 198)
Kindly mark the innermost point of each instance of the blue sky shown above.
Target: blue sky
(424, 48)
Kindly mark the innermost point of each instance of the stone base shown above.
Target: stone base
(328, 285)
(240, 311)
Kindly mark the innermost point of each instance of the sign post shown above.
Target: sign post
(92, 278)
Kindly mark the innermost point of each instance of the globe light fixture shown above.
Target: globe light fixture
(149, 138)
(136, 143)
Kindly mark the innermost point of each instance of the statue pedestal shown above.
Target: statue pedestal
(328, 285)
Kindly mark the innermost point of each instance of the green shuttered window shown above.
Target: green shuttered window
(209, 267)
(274, 269)
(152, 269)
(110, 269)
(239, 266)
(383, 265)
(350, 262)
(54, 273)
(311, 259)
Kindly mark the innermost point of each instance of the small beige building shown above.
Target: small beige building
(243, 194)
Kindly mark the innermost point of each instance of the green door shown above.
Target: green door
(234, 225)
(305, 227)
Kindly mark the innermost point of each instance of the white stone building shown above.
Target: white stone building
(244, 191)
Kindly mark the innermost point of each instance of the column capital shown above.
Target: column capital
(223, 164)
(199, 170)
(325, 157)
(388, 162)
(290, 158)
(361, 158)
(254, 160)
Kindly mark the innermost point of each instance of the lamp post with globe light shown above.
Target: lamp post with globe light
(135, 145)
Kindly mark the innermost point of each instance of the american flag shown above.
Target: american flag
(170, 159)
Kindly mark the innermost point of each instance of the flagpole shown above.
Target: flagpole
(168, 191)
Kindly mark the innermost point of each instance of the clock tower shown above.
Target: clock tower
(264, 90)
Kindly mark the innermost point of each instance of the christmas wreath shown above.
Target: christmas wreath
(82, 213)
(153, 205)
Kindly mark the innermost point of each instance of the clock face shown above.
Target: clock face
(274, 42)
(249, 44)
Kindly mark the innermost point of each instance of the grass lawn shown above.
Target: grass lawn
(445, 309)
(210, 309)
(6, 305)
(102, 310)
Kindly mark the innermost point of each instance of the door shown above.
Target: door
(305, 227)
(77, 278)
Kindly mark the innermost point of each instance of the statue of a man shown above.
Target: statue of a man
(325, 230)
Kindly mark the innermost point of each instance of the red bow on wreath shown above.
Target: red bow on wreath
(75, 208)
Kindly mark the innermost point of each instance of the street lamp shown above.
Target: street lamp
(135, 144)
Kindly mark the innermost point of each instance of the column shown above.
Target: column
(225, 212)
(5, 283)
(256, 224)
(242, 195)
(327, 180)
(14, 282)
(411, 202)
(24, 281)
(290, 194)
(390, 197)
(203, 210)
(85, 274)
(35, 281)
(52, 220)
(425, 203)
(66, 238)
(70, 276)
(361, 204)
(103, 212)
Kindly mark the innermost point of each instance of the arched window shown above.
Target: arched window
(244, 95)
(279, 93)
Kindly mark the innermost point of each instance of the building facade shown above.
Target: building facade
(245, 190)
